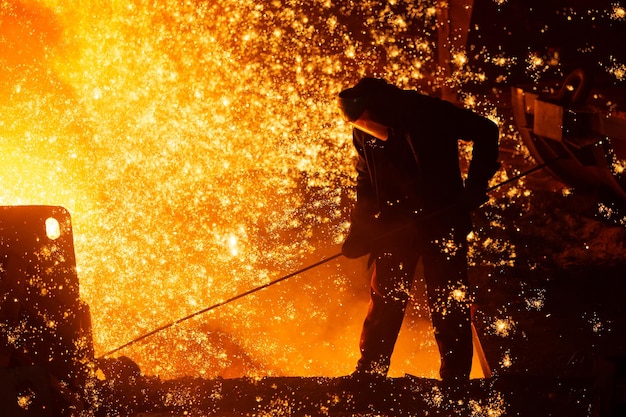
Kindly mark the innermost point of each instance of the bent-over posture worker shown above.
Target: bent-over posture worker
(412, 203)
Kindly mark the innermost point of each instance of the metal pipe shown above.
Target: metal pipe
(221, 303)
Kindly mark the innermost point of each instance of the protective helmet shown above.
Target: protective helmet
(353, 101)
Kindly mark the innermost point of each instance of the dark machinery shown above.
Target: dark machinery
(45, 331)
(585, 141)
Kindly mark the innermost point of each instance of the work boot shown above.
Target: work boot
(362, 382)
(364, 391)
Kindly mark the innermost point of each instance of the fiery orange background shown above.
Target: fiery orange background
(197, 147)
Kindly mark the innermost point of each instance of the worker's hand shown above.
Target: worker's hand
(357, 244)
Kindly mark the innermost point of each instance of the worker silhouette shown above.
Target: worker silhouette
(412, 203)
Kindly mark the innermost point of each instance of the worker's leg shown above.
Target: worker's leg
(389, 293)
(445, 273)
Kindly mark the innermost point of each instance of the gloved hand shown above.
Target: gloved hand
(476, 185)
(357, 243)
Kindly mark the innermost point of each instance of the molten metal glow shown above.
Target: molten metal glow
(197, 147)
(198, 150)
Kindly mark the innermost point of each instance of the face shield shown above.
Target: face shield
(366, 124)
(354, 111)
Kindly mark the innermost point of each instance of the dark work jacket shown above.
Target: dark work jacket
(416, 171)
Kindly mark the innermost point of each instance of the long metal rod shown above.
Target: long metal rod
(221, 303)
(292, 274)
(525, 173)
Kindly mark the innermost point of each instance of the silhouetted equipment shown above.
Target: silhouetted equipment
(45, 331)
(589, 141)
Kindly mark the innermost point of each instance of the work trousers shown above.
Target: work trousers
(444, 258)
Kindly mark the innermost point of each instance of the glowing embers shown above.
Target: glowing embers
(619, 166)
(536, 302)
(25, 398)
(494, 406)
(448, 245)
(503, 327)
(197, 152)
(507, 360)
(233, 245)
(610, 213)
(619, 13)
(456, 401)
(459, 294)
(598, 324)
(163, 112)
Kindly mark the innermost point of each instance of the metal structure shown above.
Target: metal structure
(45, 330)
(587, 143)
